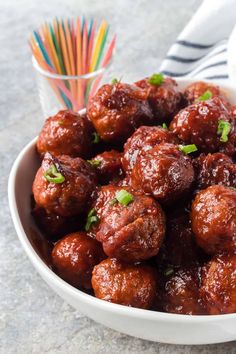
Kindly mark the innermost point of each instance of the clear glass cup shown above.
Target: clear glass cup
(66, 92)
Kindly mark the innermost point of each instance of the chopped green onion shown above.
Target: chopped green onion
(92, 218)
(113, 201)
(223, 130)
(52, 175)
(187, 149)
(94, 163)
(164, 126)
(232, 188)
(156, 79)
(114, 81)
(60, 122)
(207, 95)
(124, 197)
(168, 271)
(96, 138)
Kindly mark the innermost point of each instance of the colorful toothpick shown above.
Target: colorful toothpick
(72, 48)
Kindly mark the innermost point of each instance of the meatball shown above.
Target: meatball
(42, 246)
(129, 285)
(143, 139)
(164, 172)
(214, 219)
(180, 248)
(164, 98)
(63, 185)
(125, 182)
(208, 125)
(132, 232)
(181, 292)
(195, 90)
(213, 169)
(117, 110)
(74, 257)
(66, 133)
(104, 200)
(108, 166)
(55, 226)
(218, 289)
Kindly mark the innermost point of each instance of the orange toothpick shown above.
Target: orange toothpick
(97, 46)
(79, 61)
(71, 58)
(64, 48)
(52, 48)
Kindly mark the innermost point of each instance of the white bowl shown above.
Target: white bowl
(151, 325)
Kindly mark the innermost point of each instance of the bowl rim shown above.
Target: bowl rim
(86, 298)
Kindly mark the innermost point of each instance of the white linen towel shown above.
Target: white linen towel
(206, 48)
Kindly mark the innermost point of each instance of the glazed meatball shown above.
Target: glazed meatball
(125, 182)
(108, 166)
(102, 204)
(42, 246)
(180, 248)
(164, 98)
(181, 292)
(74, 257)
(132, 232)
(164, 172)
(218, 289)
(63, 185)
(104, 200)
(66, 133)
(214, 219)
(213, 169)
(129, 285)
(199, 88)
(55, 226)
(117, 110)
(202, 124)
(143, 139)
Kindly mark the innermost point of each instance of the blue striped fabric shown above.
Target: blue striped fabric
(201, 50)
(196, 60)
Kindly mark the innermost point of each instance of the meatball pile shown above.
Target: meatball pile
(137, 197)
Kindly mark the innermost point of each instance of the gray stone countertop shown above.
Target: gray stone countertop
(33, 319)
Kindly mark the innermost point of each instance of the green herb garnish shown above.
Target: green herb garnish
(94, 163)
(96, 138)
(232, 188)
(114, 81)
(223, 130)
(124, 197)
(187, 149)
(156, 79)
(52, 175)
(60, 122)
(168, 271)
(207, 95)
(164, 126)
(92, 218)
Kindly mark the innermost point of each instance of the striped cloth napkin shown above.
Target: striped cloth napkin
(206, 48)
